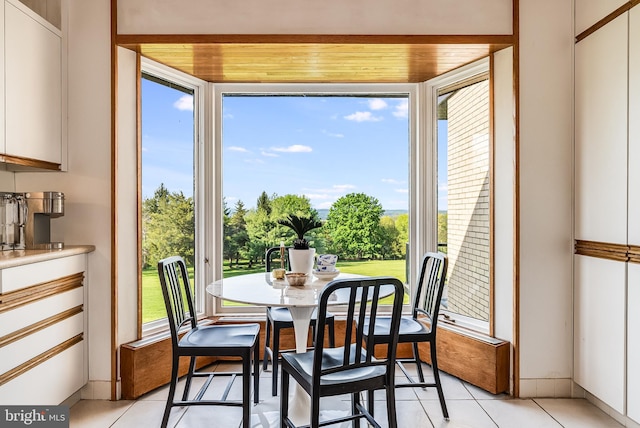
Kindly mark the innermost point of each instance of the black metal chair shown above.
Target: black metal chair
(206, 341)
(352, 368)
(421, 326)
(280, 318)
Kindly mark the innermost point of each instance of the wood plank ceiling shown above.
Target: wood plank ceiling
(314, 59)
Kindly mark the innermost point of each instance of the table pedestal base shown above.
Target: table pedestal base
(300, 402)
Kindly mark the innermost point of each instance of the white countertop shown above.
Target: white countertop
(15, 258)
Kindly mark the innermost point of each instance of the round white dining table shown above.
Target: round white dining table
(262, 289)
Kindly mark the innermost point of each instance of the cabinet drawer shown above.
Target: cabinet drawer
(23, 316)
(49, 383)
(14, 278)
(29, 347)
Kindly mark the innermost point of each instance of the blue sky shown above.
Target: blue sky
(320, 147)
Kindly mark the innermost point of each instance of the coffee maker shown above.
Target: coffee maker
(13, 219)
(41, 207)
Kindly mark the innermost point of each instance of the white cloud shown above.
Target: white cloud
(402, 190)
(227, 116)
(330, 134)
(324, 205)
(269, 154)
(342, 187)
(238, 149)
(185, 102)
(402, 109)
(296, 148)
(392, 181)
(377, 104)
(363, 116)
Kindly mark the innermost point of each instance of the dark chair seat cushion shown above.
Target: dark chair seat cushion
(410, 330)
(332, 357)
(221, 336)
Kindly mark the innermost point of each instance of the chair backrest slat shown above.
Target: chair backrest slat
(364, 295)
(176, 289)
(270, 256)
(430, 287)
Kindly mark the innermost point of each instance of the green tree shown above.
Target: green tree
(168, 227)
(402, 225)
(389, 248)
(442, 230)
(353, 223)
(236, 236)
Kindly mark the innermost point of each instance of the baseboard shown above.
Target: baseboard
(96, 390)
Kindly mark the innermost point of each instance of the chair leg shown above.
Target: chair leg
(267, 337)
(275, 359)
(256, 373)
(436, 376)
(172, 391)
(284, 399)
(315, 411)
(416, 356)
(392, 419)
(355, 400)
(332, 333)
(246, 390)
(187, 383)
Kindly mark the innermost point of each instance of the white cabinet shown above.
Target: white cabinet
(599, 328)
(601, 135)
(634, 126)
(33, 85)
(633, 277)
(633, 343)
(43, 324)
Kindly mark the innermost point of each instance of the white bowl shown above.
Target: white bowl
(324, 275)
(296, 279)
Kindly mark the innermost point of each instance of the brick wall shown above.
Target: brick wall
(468, 201)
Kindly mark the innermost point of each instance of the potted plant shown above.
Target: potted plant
(301, 257)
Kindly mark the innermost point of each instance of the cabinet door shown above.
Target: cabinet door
(633, 342)
(601, 134)
(33, 86)
(634, 126)
(633, 280)
(599, 328)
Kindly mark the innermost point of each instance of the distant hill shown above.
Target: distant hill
(392, 213)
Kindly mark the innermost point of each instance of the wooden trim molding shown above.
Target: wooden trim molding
(38, 326)
(135, 39)
(604, 21)
(24, 296)
(634, 252)
(39, 359)
(602, 250)
(30, 163)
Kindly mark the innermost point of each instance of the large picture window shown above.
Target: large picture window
(341, 156)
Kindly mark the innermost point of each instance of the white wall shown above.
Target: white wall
(315, 17)
(545, 168)
(87, 184)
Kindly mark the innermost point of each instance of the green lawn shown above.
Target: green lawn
(153, 305)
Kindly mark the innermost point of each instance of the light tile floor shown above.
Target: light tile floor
(469, 407)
